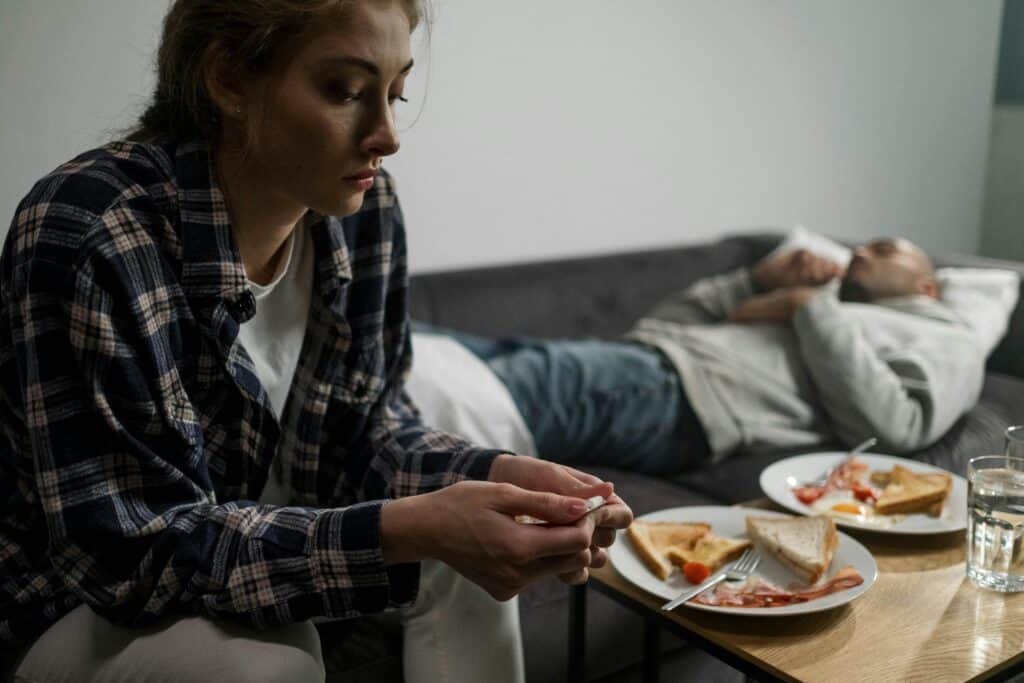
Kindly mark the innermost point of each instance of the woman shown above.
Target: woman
(206, 439)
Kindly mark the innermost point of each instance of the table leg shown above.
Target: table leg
(577, 632)
(652, 650)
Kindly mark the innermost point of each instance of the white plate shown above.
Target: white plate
(730, 522)
(777, 483)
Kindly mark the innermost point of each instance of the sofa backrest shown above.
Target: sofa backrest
(602, 296)
(599, 296)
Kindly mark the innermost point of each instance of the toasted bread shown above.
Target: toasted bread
(653, 539)
(803, 544)
(880, 478)
(911, 492)
(710, 550)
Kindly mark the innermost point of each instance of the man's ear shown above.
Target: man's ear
(929, 287)
(224, 84)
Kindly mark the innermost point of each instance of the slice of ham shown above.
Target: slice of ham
(759, 592)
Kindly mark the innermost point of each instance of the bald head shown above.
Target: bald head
(888, 267)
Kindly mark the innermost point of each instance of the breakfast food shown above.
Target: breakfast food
(876, 498)
(803, 544)
(710, 550)
(908, 492)
(758, 592)
(653, 540)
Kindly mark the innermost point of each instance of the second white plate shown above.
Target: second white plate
(778, 478)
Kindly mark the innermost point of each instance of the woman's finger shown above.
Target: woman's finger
(603, 537)
(584, 477)
(575, 578)
(559, 565)
(550, 507)
(614, 515)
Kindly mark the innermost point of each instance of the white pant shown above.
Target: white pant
(455, 632)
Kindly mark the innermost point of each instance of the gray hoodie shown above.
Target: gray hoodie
(901, 369)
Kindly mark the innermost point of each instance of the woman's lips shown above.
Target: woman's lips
(361, 181)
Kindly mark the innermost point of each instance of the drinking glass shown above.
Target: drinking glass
(1015, 441)
(995, 522)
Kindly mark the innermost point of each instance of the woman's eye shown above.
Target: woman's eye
(340, 93)
(397, 98)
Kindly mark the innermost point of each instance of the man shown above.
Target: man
(792, 353)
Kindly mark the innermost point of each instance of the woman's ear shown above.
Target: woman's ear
(224, 84)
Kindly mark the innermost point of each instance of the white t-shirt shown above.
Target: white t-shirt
(273, 338)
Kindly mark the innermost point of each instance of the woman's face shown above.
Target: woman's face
(328, 115)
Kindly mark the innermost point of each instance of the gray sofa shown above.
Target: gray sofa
(601, 297)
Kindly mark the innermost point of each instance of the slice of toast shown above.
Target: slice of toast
(803, 544)
(710, 550)
(909, 492)
(653, 539)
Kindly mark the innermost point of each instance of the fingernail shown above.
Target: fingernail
(577, 507)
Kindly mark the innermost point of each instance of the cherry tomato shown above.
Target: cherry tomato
(863, 493)
(808, 494)
(696, 572)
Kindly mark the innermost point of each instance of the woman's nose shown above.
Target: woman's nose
(382, 139)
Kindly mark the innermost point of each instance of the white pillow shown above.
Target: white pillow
(457, 393)
(802, 238)
(984, 298)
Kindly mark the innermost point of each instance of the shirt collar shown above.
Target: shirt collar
(211, 265)
(212, 270)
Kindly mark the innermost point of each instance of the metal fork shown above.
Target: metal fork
(740, 570)
(823, 477)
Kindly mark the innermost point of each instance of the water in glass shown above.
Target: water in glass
(995, 522)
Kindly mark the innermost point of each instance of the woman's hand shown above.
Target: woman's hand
(471, 527)
(540, 475)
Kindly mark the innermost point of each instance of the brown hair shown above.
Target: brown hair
(255, 34)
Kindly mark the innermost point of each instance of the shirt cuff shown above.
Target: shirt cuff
(817, 315)
(348, 563)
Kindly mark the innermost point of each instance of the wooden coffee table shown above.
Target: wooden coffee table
(921, 621)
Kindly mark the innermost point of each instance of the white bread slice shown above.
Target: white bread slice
(653, 539)
(909, 492)
(803, 544)
(711, 550)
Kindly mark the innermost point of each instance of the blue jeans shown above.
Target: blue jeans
(591, 402)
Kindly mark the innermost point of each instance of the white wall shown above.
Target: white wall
(560, 127)
(72, 73)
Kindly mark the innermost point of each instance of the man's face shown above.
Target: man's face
(886, 268)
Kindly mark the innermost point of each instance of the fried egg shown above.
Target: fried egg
(843, 506)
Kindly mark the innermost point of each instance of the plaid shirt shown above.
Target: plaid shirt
(136, 435)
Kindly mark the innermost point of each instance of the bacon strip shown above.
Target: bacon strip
(759, 592)
(843, 478)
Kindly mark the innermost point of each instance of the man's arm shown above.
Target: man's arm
(707, 301)
(717, 298)
(907, 397)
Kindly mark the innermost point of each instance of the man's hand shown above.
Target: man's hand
(777, 306)
(798, 268)
(540, 475)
